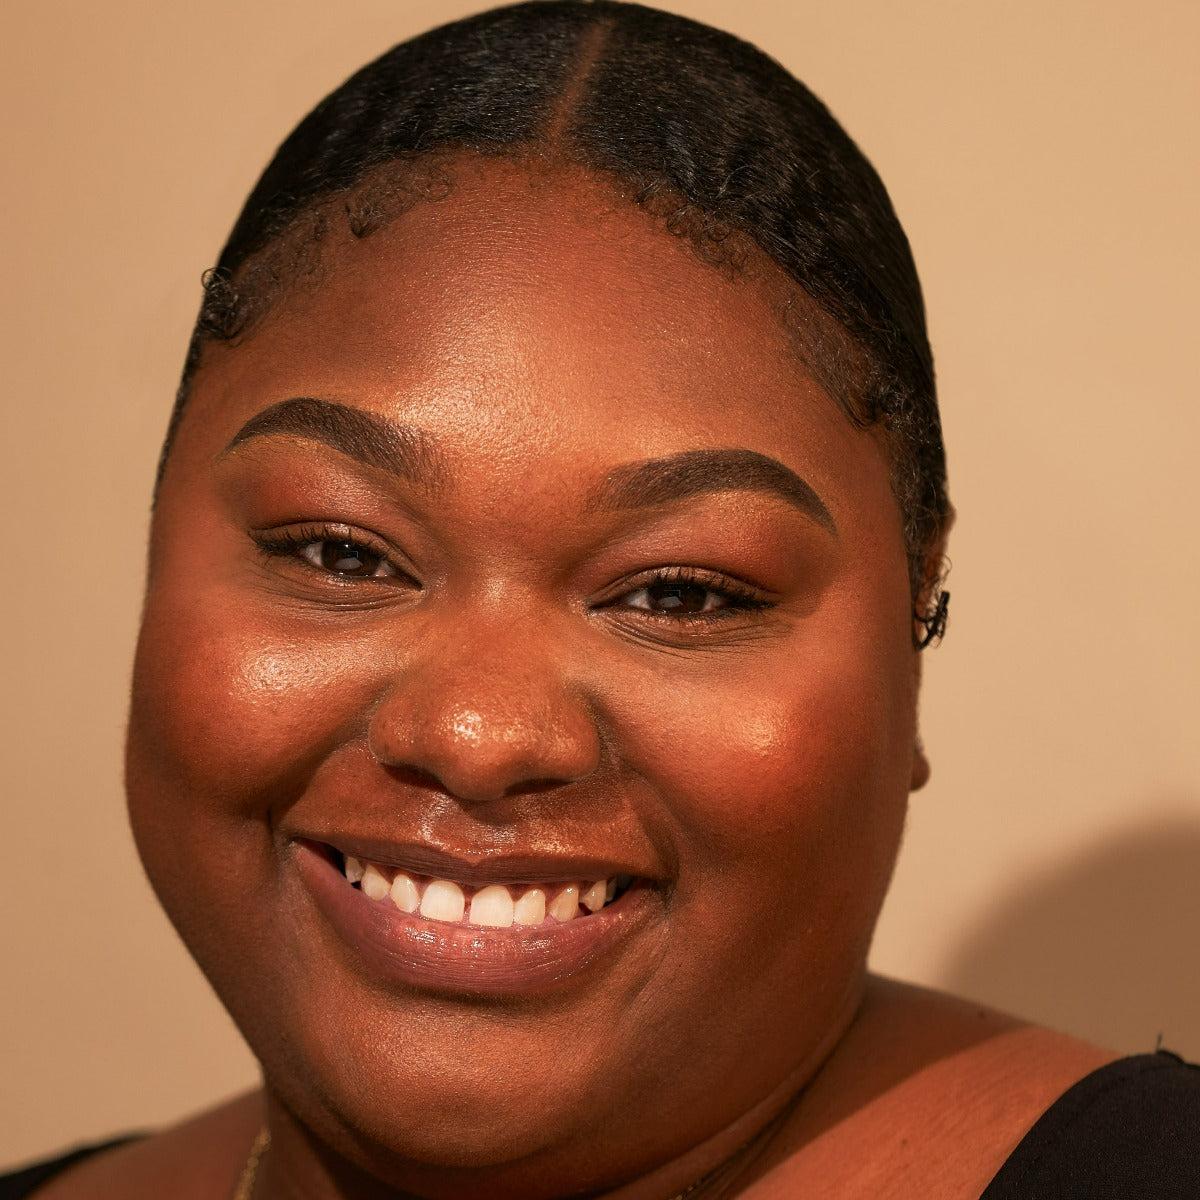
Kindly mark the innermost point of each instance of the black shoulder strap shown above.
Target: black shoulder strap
(1129, 1131)
(28, 1179)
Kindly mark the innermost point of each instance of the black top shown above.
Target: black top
(28, 1179)
(1129, 1131)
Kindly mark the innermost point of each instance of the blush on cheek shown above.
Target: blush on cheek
(231, 717)
(806, 769)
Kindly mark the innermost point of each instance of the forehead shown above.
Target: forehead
(537, 303)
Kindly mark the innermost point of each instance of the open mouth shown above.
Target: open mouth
(487, 906)
(419, 923)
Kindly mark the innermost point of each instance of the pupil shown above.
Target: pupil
(344, 557)
(679, 597)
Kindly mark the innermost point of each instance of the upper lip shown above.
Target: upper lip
(474, 868)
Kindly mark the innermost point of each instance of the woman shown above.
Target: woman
(524, 714)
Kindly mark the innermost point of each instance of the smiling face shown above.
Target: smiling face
(522, 554)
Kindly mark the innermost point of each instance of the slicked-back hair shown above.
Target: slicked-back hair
(713, 136)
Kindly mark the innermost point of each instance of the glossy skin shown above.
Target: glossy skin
(507, 697)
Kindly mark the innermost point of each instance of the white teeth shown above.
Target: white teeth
(375, 883)
(565, 905)
(531, 908)
(443, 901)
(404, 893)
(492, 906)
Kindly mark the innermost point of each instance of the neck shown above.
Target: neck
(302, 1167)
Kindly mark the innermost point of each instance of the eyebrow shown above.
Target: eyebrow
(367, 438)
(410, 453)
(694, 472)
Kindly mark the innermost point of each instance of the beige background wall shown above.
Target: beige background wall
(1042, 154)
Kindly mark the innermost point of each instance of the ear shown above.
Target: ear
(931, 598)
(930, 604)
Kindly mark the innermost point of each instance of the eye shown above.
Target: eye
(342, 556)
(681, 594)
(676, 599)
(337, 551)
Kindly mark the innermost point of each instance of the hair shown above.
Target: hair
(713, 137)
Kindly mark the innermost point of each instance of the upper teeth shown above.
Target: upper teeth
(494, 906)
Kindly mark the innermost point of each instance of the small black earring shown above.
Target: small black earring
(934, 623)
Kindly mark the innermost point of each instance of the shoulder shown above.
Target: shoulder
(25, 1180)
(195, 1160)
(927, 1096)
(1130, 1128)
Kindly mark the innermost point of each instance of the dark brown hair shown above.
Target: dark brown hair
(715, 137)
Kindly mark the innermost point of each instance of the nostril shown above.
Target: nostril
(413, 776)
(523, 743)
(470, 790)
(533, 787)
(473, 790)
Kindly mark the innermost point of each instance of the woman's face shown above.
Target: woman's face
(516, 550)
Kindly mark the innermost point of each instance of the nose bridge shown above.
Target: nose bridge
(488, 707)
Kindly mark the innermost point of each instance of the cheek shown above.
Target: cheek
(230, 718)
(790, 780)
(229, 715)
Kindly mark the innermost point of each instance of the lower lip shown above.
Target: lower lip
(405, 949)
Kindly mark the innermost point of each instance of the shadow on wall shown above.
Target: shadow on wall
(1106, 946)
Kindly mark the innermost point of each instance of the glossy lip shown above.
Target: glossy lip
(404, 949)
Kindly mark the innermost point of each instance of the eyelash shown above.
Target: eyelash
(291, 543)
(738, 598)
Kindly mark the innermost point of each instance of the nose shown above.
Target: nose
(486, 717)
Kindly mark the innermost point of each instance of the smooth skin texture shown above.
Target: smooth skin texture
(509, 679)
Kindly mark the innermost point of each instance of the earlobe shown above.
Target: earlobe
(920, 767)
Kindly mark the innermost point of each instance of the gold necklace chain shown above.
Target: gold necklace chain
(245, 1187)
